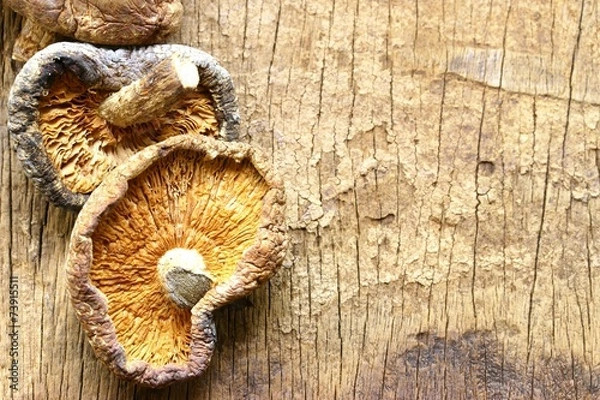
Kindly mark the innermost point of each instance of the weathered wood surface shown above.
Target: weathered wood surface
(442, 167)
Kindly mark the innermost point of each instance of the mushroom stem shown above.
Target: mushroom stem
(184, 276)
(152, 95)
(33, 38)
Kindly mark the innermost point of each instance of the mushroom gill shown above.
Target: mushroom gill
(83, 147)
(182, 201)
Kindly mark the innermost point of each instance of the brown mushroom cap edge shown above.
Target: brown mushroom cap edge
(256, 265)
(96, 69)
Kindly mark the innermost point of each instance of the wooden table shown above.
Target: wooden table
(442, 171)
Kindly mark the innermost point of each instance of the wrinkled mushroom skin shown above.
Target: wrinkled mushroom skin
(99, 272)
(100, 71)
(109, 22)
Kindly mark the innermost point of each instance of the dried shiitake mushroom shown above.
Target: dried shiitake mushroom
(182, 228)
(76, 111)
(108, 22)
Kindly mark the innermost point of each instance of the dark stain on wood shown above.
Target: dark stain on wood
(475, 365)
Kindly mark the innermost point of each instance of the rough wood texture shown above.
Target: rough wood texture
(442, 171)
(33, 38)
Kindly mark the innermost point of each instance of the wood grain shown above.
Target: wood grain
(442, 168)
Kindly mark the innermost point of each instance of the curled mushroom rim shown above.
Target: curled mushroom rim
(92, 306)
(111, 70)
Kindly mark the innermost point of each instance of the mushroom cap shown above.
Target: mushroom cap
(194, 193)
(66, 147)
(117, 23)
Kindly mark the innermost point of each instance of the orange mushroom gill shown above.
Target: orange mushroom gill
(183, 201)
(83, 147)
